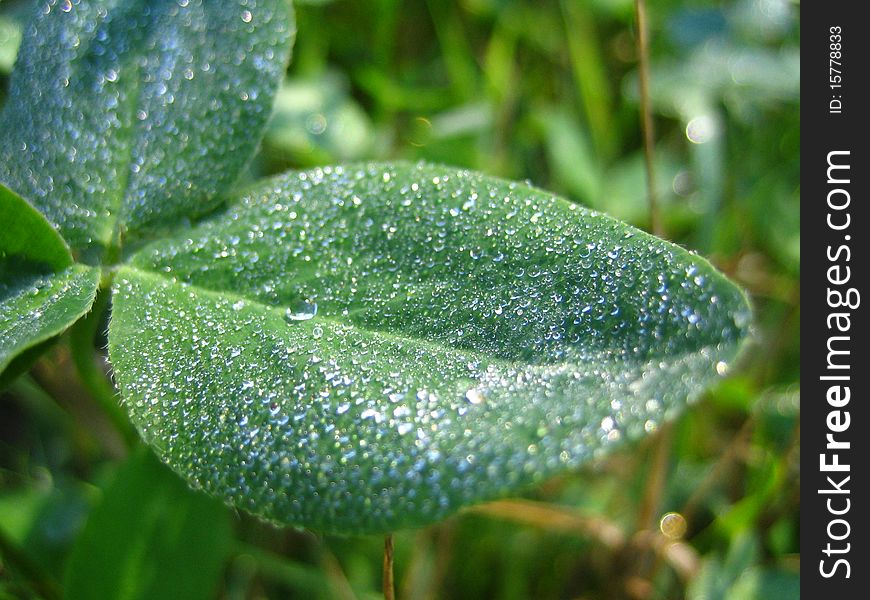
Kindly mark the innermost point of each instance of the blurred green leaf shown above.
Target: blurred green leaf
(738, 577)
(757, 583)
(346, 345)
(395, 95)
(455, 136)
(57, 524)
(623, 189)
(757, 23)
(745, 78)
(18, 511)
(150, 537)
(576, 169)
(316, 121)
(169, 104)
(590, 78)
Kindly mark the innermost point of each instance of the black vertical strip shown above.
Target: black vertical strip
(835, 424)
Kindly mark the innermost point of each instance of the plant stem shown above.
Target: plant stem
(554, 518)
(656, 478)
(93, 377)
(646, 116)
(389, 585)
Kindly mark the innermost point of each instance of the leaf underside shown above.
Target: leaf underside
(366, 348)
(124, 117)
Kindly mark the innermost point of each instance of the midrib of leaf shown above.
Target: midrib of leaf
(441, 349)
(115, 229)
(373, 333)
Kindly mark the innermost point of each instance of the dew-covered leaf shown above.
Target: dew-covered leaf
(365, 348)
(36, 306)
(41, 292)
(127, 114)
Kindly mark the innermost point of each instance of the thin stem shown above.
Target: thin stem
(651, 501)
(646, 116)
(555, 518)
(655, 482)
(389, 585)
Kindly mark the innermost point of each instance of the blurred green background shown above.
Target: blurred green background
(544, 91)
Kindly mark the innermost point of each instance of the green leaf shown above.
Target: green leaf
(739, 577)
(41, 292)
(151, 537)
(37, 306)
(130, 115)
(472, 336)
(317, 118)
(757, 583)
(27, 235)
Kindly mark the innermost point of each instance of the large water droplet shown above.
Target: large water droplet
(301, 310)
(474, 396)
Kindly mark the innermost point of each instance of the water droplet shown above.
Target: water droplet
(702, 129)
(474, 396)
(673, 525)
(301, 310)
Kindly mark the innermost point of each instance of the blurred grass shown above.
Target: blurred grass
(543, 91)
